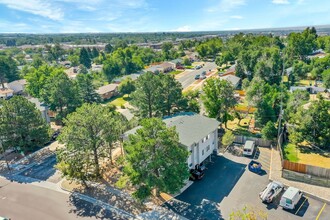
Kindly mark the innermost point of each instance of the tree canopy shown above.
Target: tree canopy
(88, 136)
(155, 159)
(312, 124)
(21, 124)
(218, 98)
(8, 70)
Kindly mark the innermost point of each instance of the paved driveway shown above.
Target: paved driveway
(228, 186)
(44, 170)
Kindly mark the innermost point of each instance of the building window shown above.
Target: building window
(207, 137)
(202, 152)
(207, 148)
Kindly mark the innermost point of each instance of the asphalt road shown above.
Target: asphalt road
(28, 202)
(228, 186)
(188, 79)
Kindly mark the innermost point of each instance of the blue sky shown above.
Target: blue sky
(73, 16)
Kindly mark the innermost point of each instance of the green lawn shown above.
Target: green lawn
(291, 152)
(119, 101)
(175, 72)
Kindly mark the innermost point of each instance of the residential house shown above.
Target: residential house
(108, 91)
(288, 71)
(317, 54)
(97, 68)
(72, 72)
(66, 64)
(6, 93)
(310, 89)
(177, 62)
(231, 70)
(42, 108)
(161, 68)
(234, 80)
(17, 86)
(133, 76)
(197, 133)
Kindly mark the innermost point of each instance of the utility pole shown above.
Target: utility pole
(281, 105)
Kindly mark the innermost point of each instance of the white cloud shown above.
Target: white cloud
(236, 17)
(37, 7)
(185, 28)
(226, 5)
(280, 2)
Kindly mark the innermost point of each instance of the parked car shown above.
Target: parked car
(248, 148)
(272, 190)
(203, 73)
(196, 175)
(55, 135)
(290, 198)
(202, 77)
(197, 76)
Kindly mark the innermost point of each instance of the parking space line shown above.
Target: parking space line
(301, 205)
(318, 216)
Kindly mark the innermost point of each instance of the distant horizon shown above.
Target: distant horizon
(294, 28)
(147, 16)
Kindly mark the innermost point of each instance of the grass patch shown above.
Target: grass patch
(175, 72)
(244, 108)
(305, 82)
(291, 152)
(189, 67)
(119, 100)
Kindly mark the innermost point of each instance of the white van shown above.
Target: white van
(248, 148)
(290, 198)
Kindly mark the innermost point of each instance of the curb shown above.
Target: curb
(99, 202)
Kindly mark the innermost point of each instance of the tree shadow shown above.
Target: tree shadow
(314, 150)
(42, 171)
(83, 208)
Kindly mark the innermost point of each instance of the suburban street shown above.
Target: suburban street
(188, 77)
(228, 186)
(26, 201)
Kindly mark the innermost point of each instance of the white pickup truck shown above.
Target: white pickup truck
(272, 190)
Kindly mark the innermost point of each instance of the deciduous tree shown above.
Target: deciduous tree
(218, 98)
(127, 86)
(8, 70)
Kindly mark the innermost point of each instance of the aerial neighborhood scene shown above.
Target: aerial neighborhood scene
(170, 110)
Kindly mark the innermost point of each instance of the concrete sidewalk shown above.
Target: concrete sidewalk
(275, 174)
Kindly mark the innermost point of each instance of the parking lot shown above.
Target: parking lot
(228, 186)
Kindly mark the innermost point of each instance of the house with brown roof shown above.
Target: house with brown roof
(108, 91)
(17, 86)
(161, 68)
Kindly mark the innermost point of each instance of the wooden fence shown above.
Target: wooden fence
(296, 167)
(259, 141)
(306, 169)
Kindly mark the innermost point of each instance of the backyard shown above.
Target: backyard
(118, 101)
(304, 154)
